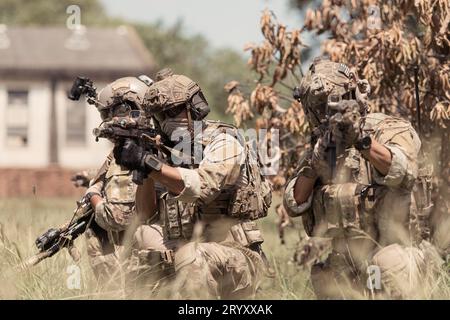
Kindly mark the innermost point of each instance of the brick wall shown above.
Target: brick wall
(45, 182)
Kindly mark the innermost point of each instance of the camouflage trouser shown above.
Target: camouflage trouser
(216, 270)
(151, 262)
(400, 271)
(407, 272)
(103, 258)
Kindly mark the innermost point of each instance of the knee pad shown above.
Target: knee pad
(335, 279)
(401, 268)
(148, 237)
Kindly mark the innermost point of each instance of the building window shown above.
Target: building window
(76, 123)
(17, 118)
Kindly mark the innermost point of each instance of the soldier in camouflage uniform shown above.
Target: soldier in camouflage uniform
(354, 188)
(206, 216)
(112, 192)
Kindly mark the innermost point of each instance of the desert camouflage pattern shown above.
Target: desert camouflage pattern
(378, 225)
(116, 211)
(323, 78)
(124, 89)
(112, 217)
(223, 270)
(171, 91)
(212, 257)
(103, 257)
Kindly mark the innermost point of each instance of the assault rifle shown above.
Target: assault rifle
(55, 239)
(136, 126)
(341, 116)
(139, 128)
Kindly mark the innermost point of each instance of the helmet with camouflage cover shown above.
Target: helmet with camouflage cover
(323, 80)
(121, 96)
(172, 93)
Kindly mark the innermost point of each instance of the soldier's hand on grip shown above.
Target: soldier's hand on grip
(130, 155)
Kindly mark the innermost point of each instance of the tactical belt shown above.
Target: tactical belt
(163, 259)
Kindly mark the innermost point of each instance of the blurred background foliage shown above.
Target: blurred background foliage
(170, 45)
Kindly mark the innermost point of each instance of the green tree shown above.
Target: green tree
(49, 12)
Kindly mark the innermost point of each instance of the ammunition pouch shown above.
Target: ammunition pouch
(177, 217)
(248, 202)
(337, 206)
(340, 202)
(252, 201)
(246, 233)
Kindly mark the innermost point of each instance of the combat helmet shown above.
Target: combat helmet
(171, 94)
(323, 80)
(122, 96)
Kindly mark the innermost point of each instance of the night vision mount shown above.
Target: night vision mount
(83, 85)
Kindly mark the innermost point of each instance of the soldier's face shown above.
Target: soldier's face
(121, 109)
(317, 106)
(170, 124)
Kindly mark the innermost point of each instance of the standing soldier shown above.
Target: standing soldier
(354, 187)
(217, 198)
(112, 192)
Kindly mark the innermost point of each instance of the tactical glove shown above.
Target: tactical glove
(130, 155)
(134, 157)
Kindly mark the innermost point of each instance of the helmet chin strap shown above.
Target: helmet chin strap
(191, 131)
(190, 122)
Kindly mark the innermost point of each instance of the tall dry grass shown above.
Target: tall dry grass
(22, 220)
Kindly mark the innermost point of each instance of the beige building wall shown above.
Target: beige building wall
(72, 154)
(87, 154)
(36, 117)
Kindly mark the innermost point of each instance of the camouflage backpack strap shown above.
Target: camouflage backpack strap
(252, 200)
(103, 169)
(422, 192)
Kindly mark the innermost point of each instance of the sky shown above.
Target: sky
(225, 23)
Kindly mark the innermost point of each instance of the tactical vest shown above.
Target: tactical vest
(118, 187)
(118, 191)
(243, 203)
(349, 202)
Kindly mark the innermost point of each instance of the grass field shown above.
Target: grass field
(22, 220)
